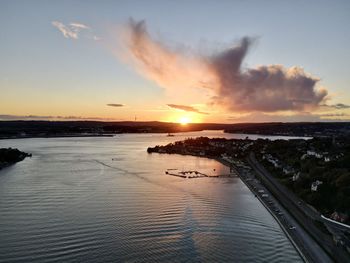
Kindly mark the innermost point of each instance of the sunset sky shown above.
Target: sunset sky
(195, 61)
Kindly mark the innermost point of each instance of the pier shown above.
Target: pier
(190, 174)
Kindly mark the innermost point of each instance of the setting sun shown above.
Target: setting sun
(184, 120)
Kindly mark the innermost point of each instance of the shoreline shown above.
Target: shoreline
(262, 201)
(305, 244)
(175, 133)
(10, 156)
(297, 244)
(308, 248)
(57, 136)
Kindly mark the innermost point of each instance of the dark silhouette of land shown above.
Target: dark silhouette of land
(9, 156)
(25, 129)
(288, 170)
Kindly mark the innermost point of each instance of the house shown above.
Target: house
(288, 170)
(272, 160)
(315, 185)
(217, 143)
(296, 176)
(313, 153)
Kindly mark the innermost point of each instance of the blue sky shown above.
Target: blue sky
(45, 74)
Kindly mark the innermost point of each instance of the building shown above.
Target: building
(296, 176)
(288, 170)
(272, 160)
(314, 185)
(314, 154)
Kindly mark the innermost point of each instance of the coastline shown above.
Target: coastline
(57, 136)
(304, 252)
(308, 249)
(9, 156)
(263, 202)
(320, 240)
(306, 245)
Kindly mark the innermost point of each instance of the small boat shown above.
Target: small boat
(170, 135)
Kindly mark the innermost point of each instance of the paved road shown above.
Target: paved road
(301, 213)
(307, 246)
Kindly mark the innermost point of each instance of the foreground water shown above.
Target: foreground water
(107, 200)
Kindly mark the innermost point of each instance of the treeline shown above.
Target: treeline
(293, 129)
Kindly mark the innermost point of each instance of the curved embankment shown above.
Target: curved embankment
(304, 241)
(306, 246)
(305, 216)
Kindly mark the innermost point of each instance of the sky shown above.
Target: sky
(178, 61)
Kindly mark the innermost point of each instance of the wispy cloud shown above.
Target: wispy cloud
(79, 25)
(50, 117)
(115, 105)
(266, 88)
(342, 114)
(186, 108)
(338, 106)
(73, 30)
(297, 117)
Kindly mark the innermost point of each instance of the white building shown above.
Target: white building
(313, 153)
(288, 170)
(315, 185)
(296, 177)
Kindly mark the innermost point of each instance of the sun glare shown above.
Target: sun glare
(184, 120)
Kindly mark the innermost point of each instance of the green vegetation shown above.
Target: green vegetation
(325, 160)
(298, 164)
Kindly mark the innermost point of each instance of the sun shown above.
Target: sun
(184, 120)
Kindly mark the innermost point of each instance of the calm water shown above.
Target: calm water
(71, 202)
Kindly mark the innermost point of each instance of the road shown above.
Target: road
(303, 214)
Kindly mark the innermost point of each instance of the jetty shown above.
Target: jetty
(190, 174)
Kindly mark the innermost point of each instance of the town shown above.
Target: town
(309, 177)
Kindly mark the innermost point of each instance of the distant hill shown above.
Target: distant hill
(22, 129)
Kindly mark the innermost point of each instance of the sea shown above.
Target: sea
(105, 199)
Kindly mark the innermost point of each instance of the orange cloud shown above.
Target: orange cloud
(115, 105)
(268, 88)
(186, 108)
(169, 69)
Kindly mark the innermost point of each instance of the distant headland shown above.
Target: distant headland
(43, 129)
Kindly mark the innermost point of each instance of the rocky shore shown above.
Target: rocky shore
(9, 156)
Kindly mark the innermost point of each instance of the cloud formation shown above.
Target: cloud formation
(297, 117)
(168, 68)
(79, 25)
(342, 114)
(268, 88)
(186, 108)
(338, 106)
(115, 105)
(73, 30)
